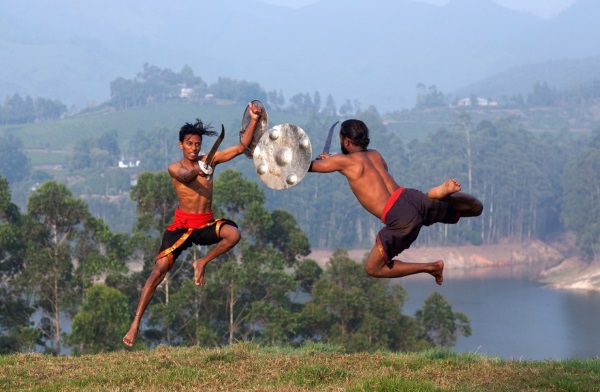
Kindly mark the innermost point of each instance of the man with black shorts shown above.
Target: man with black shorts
(194, 222)
(403, 210)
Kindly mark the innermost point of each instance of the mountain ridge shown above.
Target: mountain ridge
(375, 53)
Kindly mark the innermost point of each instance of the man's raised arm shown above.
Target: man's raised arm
(229, 153)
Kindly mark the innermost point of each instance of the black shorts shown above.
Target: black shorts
(174, 242)
(411, 211)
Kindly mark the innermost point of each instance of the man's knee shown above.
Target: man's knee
(477, 208)
(161, 267)
(372, 269)
(231, 234)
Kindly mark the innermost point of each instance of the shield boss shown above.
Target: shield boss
(282, 156)
(261, 127)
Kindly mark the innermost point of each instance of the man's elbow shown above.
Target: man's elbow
(240, 148)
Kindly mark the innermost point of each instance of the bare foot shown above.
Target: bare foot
(198, 273)
(129, 338)
(438, 272)
(446, 189)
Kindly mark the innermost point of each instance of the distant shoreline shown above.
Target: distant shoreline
(555, 265)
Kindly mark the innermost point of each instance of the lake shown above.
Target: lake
(513, 316)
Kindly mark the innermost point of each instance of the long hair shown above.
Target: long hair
(197, 128)
(356, 131)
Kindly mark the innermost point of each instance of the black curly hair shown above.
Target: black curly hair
(197, 128)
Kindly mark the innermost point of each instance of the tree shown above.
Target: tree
(109, 142)
(542, 95)
(14, 164)
(581, 211)
(11, 247)
(98, 252)
(440, 325)
(238, 91)
(17, 110)
(81, 157)
(247, 291)
(307, 273)
(54, 217)
(234, 195)
(103, 315)
(285, 236)
(154, 85)
(154, 148)
(429, 97)
(46, 109)
(329, 109)
(16, 333)
(353, 310)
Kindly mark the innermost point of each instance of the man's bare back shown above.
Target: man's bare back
(368, 177)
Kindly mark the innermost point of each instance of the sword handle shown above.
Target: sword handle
(206, 168)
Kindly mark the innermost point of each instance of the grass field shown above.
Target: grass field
(314, 367)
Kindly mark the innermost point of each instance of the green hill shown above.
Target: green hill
(50, 143)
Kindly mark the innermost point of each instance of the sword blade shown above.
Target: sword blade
(213, 150)
(328, 141)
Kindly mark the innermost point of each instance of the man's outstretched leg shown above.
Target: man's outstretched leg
(377, 267)
(465, 204)
(230, 236)
(161, 267)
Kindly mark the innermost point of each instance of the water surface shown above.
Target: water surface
(513, 316)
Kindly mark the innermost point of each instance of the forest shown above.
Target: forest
(61, 263)
(70, 236)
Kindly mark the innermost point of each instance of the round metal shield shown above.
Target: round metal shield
(282, 156)
(259, 130)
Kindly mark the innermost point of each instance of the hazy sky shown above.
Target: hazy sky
(542, 8)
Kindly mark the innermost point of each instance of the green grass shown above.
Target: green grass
(314, 367)
(40, 157)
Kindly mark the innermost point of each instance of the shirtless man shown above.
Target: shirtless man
(194, 222)
(403, 210)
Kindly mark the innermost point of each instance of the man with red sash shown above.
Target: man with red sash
(194, 222)
(403, 211)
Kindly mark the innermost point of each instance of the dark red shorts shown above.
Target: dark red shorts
(404, 219)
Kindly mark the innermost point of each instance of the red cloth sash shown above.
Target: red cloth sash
(190, 221)
(391, 202)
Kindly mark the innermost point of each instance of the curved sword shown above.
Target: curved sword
(328, 141)
(206, 165)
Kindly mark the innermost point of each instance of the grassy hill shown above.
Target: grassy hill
(315, 367)
(50, 143)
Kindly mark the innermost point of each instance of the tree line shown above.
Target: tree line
(60, 265)
(23, 110)
(540, 95)
(154, 85)
(525, 179)
(520, 175)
